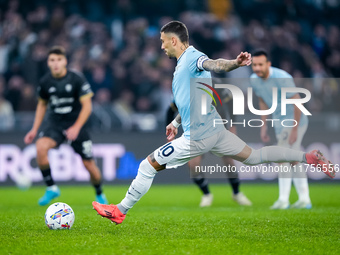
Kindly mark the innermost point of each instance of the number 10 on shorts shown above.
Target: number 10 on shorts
(167, 150)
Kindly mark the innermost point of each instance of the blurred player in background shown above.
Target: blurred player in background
(200, 134)
(199, 178)
(264, 78)
(68, 96)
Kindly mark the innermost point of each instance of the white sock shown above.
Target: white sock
(275, 154)
(139, 186)
(300, 181)
(285, 183)
(53, 188)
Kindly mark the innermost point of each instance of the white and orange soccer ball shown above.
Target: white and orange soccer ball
(59, 216)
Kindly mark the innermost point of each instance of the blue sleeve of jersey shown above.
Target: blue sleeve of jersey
(286, 81)
(195, 61)
(254, 85)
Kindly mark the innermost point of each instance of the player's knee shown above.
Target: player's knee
(88, 163)
(42, 148)
(146, 169)
(152, 161)
(93, 170)
(42, 158)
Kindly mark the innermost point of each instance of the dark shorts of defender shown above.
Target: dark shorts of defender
(82, 145)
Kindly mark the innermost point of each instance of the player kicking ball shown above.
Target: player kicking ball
(68, 95)
(200, 136)
(199, 178)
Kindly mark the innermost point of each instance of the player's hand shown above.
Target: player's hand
(72, 133)
(244, 59)
(29, 137)
(293, 136)
(171, 132)
(264, 136)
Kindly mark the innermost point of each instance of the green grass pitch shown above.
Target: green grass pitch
(168, 220)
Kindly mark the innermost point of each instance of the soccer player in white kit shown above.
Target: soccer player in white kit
(200, 135)
(263, 80)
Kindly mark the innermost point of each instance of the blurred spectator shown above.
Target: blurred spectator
(35, 64)
(38, 18)
(28, 101)
(4, 52)
(57, 20)
(13, 94)
(27, 38)
(116, 44)
(319, 40)
(123, 108)
(318, 73)
(333, 61)
(6, 110)
(103, 96)
(100, 79)
(163, 96)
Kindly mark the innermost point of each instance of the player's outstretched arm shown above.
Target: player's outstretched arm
(172, 128)
(39, 116)
(223, 65)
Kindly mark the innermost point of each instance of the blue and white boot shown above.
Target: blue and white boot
(51, 193)
(101, 199)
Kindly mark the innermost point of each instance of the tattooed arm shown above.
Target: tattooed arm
(220, 65)
(223, 65)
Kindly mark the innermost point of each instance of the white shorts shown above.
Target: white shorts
(283, 140)
(283, 137)
(181, 150)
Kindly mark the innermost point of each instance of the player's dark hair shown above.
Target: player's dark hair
(58, 50)
(261, 52)
(178, 28)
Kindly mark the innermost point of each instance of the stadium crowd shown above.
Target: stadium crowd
(116, 45)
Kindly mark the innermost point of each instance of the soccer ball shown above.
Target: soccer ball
(59, 216)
